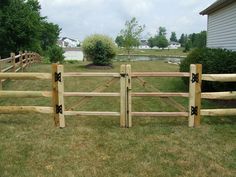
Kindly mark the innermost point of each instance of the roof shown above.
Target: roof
(219, 4)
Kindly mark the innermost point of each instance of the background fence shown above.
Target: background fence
(16, 63)
(57, 94)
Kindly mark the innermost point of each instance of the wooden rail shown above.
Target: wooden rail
(57, 94)
(16, 63)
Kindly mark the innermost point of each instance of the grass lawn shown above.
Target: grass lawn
(97, 147)
(155, 52)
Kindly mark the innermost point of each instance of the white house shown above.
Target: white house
(66, 42)
(174, 45)
(221, 26)
(144, 44)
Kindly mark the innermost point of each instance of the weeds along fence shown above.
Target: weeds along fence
(16, 63)
(57, 94)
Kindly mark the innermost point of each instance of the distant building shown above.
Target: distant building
(174, 45)
(143, 44)
(66, 42)
(221, 26)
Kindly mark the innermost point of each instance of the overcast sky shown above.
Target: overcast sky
(79, 18)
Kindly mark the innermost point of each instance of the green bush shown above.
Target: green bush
(55, 54)
(214, 61)
(100, 49)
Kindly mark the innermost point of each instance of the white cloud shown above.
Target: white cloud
(79, 18)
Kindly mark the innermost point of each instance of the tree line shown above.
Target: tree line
(23, 28)
(130, 36)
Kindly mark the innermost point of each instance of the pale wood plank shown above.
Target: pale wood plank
(91, 94)
(123, 99)
(218, 112)
(219, 77)
(25, 109)
(25, 94)
(91, 113)
(195, 95)
(160, 114)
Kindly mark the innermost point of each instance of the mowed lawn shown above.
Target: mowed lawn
(96, 146)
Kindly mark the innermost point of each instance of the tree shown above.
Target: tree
(162, 42)
(162, 31)
(183, 39)
(173, 37)
(151, 42)
(131, 34)
(56, 54)
(119, 41)
(100, 49)
(49, 34)
(23, 28)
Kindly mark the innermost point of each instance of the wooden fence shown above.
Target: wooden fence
(16, 63)
(58, 94)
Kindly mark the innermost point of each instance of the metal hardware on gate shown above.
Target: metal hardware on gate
(194, 110)
(195, 77)
(57, 77)
(59, 109)
(123, 74)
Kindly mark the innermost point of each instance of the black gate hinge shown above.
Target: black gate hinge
(57, 77)
(194, 110)
(123, 74)
(59, 109)
(195, 77)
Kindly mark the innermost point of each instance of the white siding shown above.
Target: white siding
(222, 28)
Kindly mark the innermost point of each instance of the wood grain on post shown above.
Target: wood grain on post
(58, 95)
(13, 62)
(129, 97)
(195, 95)
(55, 95)
(122, 96)
(60, 83)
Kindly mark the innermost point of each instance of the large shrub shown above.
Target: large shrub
(100, 49)
(55, 54)
(214, 61)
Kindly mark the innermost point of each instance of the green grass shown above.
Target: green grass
(155, 52)
(96, 146)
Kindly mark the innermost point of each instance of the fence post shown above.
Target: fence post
(0, 72)
(13, 62)
(21, 60)
(58, 95)
(26, 60)
(123, 95)
(195, 83)
(129, 97)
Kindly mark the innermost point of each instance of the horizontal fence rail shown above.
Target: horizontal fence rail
(17, 63)
(57, 94)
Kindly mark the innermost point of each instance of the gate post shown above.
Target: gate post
(125, 96)
(123, 100)
(129, 97)
(195, 83)
(58, 95)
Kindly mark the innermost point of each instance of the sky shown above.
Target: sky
(80, 18)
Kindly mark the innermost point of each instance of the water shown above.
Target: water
(78, 55)
(149, 58)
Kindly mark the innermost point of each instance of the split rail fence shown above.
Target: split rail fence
(58, 94)
(16, 63)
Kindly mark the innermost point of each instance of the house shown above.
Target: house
(66, 42)
(143, 44)
(221, 26)
(174, 45)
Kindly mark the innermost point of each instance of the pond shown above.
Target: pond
(78, 55)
